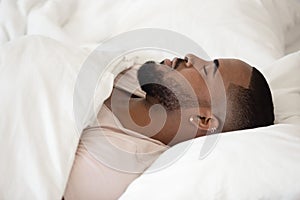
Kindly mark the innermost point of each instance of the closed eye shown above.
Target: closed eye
(216, 65)
(205, 71)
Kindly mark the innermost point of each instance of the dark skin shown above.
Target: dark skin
(201, 76)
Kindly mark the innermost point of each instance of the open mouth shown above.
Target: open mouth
(174, 64)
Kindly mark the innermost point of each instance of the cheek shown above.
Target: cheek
(199, 85)
(179, 129)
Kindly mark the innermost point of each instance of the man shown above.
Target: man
(248, 97)
(182, 99)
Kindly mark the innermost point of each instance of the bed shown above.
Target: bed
(44, 45)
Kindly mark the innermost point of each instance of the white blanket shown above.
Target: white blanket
(38, 132)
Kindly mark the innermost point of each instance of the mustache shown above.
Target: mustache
(150, 62)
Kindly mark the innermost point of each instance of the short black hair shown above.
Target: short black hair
(250, 107)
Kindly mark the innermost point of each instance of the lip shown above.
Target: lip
(172, 64)
(167, 62)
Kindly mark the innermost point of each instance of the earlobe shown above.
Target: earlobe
(214, 124)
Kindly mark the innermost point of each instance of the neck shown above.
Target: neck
(144, 116)
(133, 113)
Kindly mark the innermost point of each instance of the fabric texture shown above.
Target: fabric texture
(109, 157)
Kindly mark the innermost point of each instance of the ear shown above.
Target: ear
(208, 122)
(205, 120)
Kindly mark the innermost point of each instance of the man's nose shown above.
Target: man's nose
(194, 60)
(190, 60)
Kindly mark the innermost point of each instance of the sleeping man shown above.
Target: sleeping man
(177, 100)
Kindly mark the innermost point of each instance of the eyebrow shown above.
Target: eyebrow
(217, 64)
(216, 61)
(205, 71)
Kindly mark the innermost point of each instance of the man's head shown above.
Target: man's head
(191, 86)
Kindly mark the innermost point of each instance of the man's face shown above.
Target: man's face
(198, 88)
(206, 78)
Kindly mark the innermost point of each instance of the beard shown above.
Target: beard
(169, 92)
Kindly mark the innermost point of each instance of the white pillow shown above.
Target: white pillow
(260, 163)
(251, 164)
(284, 81)
(250, 30)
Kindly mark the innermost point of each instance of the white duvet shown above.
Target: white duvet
(38, 133)
(38, 130)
